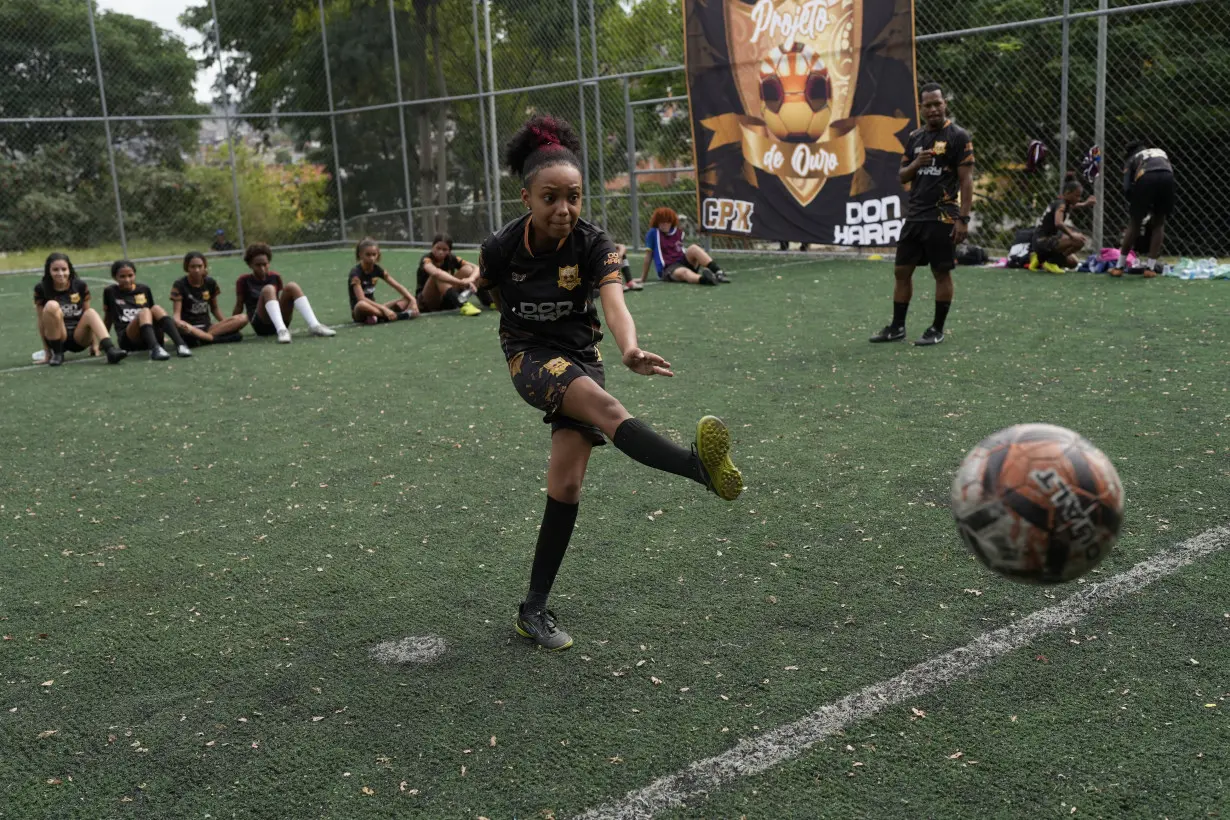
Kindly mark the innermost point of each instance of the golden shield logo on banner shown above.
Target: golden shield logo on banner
(795, 64)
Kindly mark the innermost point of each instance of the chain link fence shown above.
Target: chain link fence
(332, 120)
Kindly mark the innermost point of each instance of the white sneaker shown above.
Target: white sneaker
(183, 351)
(322, 330)
(39, 356)
(284, 336)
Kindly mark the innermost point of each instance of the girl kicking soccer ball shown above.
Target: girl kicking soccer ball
(269, 304)
(139, 323)
(542, 269)
(65, 319)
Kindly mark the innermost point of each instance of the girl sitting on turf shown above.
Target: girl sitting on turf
(361, 285)
(195, 297)
(130, 308)
(65, 319)
(268, 303)
(664, 247)
(445, 281)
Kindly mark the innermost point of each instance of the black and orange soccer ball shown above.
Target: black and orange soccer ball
(1038, 503)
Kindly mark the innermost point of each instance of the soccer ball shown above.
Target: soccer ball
(1038, 504)
(795, 93)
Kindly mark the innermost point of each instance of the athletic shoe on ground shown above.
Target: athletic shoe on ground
(158, 354)
(183, 351)
(56, 359)
(321, 330)
(284, 336)
(115, 355)
(1116, 272)
(39, 356)
(930, 336)
(406, 315)
(889, 334)
(722, 277)
(707, 277)
(1051, 267)
(713, 448)
(1148, 273)
(469, 310)
(539, 626)
(1033, 262)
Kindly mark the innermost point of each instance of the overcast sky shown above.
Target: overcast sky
(165, 13)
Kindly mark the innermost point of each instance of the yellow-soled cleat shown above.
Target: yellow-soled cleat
(713, 448)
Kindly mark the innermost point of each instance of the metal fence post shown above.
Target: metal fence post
(337, 162)
(593, 49)
(102, 98)
(1063, 96)
(498, 200)
(226, 113)
(634, 241)
(482, 117)
(576, 45)
(1099, 130)
(401, 123)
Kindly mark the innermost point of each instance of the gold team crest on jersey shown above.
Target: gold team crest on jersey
(569, 277)
(139, 299)
(205, 295)
(939, 147)
(74, 298)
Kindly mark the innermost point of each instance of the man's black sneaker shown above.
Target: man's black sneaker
(722, 277)
(538, 624)
(889, 334)
(930, 336)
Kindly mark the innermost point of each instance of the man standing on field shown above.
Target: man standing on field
(938, 160)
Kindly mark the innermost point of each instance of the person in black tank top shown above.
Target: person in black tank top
(65, 319)
(1055, 242)
(542, 270)
(129, 307)
(938, 165)
(1148, 184)
(195, 297)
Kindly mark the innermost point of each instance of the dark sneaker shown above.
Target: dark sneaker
(712, 448)
(56, 359)
(406, 315)
(539, 626)
(115, 355)
(722, 277)
(707, 277)
(930, 336)
(158, 354)
(889, 334)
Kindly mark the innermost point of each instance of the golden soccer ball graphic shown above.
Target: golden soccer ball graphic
(795, 94)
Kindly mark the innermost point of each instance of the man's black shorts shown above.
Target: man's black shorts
(542, 376)
(927, 243)
(1153, 194)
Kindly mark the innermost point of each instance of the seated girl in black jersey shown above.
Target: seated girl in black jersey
(139, 323)
(267, 302)
(1056, 243)
(542, 269)
(361, 285)
(195, 297)
(65, 319)
(445, 280)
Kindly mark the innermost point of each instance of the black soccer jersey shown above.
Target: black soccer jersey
(451, 264)
(72, 301)
(547, 300)
(248, 288)
(196, 300)
(367, 281)
(124, 305)
(933, 194)
(1145, 162)
(1047, 227)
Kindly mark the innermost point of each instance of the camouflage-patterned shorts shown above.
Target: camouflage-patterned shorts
(542, 375)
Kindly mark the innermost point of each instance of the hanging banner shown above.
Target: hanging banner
(800, 111)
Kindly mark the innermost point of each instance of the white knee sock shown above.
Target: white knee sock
(275, 314)
(305, 310)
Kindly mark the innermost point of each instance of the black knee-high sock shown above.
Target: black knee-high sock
(106, 344)
(899, 311)
(450, 300)
(637, 439)
(626, 271)
(55, 345)
(169, 328)
(941, 314)
(149, 337)
(557, 523)
(714, 266)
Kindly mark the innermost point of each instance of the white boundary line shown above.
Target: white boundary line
(755, 755)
